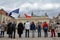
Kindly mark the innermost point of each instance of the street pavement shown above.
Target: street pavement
(30, 38)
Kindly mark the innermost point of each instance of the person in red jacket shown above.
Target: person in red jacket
(45, 28)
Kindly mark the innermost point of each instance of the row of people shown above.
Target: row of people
(11, 29)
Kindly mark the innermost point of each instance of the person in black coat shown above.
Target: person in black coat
(20, 29)
(13, 29)
(9, 29)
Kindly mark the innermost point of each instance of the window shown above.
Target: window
(3, 18)
(6, 19)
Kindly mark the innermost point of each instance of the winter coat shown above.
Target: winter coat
(9, 28)
(27, 25)
(32, 26)
(53, 26)
(45, 25)
(2, 27)
(14, 27)
(39, 27)
(20, 28)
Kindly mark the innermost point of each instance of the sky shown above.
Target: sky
(39, 7)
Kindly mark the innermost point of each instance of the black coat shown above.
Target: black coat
(20, 28)
(14, 27)
(9, 28)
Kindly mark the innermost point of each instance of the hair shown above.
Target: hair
(27, 21)
(3, 22)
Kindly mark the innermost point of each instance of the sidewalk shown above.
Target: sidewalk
(30, 38)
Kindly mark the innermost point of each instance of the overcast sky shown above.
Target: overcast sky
(52, 7)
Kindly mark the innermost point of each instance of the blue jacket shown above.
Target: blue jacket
(32, 27)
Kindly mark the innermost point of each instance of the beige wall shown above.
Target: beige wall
(59, 17)
(23, 20)
(35, 19)
(0, 17)
(6, 18)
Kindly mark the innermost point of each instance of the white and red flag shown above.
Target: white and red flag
(27, 15)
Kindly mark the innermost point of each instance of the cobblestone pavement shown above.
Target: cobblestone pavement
(30, 38)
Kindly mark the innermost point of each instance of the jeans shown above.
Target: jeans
(53, 33)
(33, 33)
(27, 33)
(39, 33)
(2, 33)
(45, 32)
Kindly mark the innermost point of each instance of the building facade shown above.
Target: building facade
(34, 18)
(4, 16)
(57, 19)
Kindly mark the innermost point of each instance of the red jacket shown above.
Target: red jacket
(45, 25)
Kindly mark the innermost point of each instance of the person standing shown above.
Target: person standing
(53, 27)
(27, 28)
(39, 29)
(32, 28)
(9, 29)
(58, 30)
(20, 29)
(0, 29)
(45, 29)
(13, 29)
(3, 29)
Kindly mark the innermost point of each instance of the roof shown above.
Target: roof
(3, 12)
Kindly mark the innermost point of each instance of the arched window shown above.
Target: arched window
(6, 19)
(3, 18)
